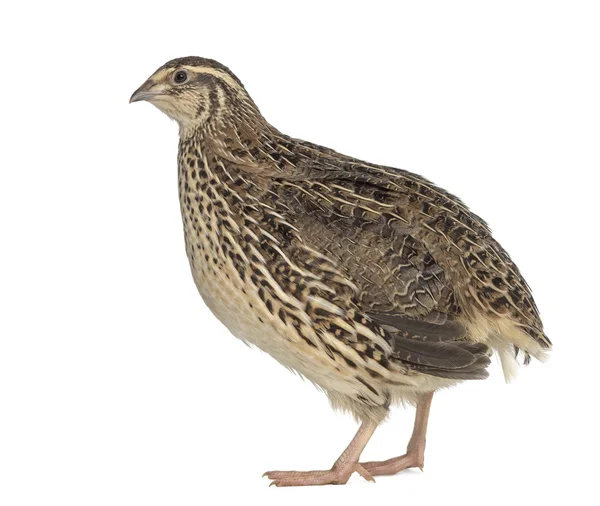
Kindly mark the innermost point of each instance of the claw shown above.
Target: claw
(364, 473)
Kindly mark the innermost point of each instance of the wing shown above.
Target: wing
(357, 225)
(402, 204)
(397, 284)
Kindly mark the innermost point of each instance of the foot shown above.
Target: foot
(414, 457)
(335, 476)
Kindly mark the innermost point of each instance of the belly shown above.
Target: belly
(236, 303)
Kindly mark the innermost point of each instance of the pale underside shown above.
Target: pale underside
(241, 313)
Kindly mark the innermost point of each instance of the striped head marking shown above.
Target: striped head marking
(193, 90)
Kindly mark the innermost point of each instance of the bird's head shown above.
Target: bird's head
(194, 91)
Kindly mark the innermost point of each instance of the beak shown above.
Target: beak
(145, 92)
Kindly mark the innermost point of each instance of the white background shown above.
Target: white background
(118, 387)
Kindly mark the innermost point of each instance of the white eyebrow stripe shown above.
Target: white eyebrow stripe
(224, 76)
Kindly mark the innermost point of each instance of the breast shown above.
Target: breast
(231, 299)
(234, 299)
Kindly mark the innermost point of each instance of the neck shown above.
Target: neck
(237, 135)
(222, 112)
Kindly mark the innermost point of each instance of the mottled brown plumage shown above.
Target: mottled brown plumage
(371, 281)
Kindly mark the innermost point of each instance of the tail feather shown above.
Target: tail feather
(458, 359)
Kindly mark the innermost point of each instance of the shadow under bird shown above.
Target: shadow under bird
(370, 281)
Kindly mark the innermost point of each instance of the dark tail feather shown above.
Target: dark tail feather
(477, 370)
(436, 346)
(446, 359)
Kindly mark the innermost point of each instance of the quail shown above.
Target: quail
(370, 281)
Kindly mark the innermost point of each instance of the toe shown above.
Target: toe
(364, 473)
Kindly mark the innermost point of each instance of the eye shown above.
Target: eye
(180, 77)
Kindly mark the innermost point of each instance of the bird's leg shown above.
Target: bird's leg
(344, 466)
(415, 452)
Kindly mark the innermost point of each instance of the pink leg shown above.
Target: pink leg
(339, 474)
(415, 452)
